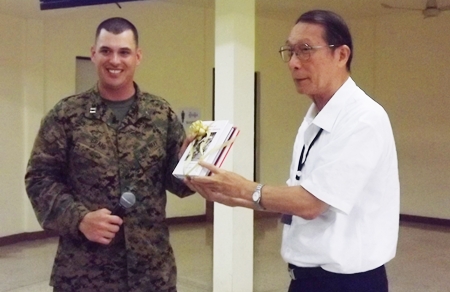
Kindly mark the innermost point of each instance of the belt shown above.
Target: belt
(302, 273)
(291, 273)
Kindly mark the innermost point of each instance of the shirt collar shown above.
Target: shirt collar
(96, 108)
(326, 118)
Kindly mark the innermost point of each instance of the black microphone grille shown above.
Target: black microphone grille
(127, 199)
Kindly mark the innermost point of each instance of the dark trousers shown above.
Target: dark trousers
(319, 280)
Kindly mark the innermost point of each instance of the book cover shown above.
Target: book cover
(211, 145)
(230, 140)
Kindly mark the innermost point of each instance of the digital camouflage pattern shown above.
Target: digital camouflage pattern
(83, 160)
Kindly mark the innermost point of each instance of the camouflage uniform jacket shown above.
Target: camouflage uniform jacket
(82, 160)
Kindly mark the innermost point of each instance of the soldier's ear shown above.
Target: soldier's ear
(139, 56)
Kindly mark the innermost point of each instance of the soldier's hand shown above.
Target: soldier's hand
(186, 143)
(100, 226)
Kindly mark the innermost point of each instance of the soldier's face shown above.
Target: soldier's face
(116, 57)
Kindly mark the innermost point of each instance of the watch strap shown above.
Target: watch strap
(258, 201)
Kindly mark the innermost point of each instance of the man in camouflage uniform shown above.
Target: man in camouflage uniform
(91, 148)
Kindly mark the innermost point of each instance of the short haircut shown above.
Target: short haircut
(336, 30)
(117, 25)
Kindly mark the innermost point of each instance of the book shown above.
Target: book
(233, 134)
(212, 146)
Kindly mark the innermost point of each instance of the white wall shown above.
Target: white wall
(282, 108)
(37, 68)
(173, 64)
(412, 80)
(33, 72)
(12, 125)
(400, 60)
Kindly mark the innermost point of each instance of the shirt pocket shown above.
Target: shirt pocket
(90, 165)
(86, 152)
(151, 158)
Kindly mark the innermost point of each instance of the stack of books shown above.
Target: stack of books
(212, 147)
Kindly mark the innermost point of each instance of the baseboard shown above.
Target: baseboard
(28, 236)
(186, 219)
(16, 238)
(263, 214)
(425, 220)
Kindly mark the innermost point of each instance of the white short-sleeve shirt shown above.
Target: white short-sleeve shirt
(353, 168)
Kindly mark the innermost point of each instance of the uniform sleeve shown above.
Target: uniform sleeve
(176, 136)
(46, 182)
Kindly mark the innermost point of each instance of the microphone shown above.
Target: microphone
(126, 201)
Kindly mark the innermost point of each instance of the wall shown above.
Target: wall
(400, 60)
(172, 67)
(12, 124)
(37, 67)
(282, 108)
(412, 80)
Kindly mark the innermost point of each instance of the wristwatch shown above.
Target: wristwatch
(256, 197)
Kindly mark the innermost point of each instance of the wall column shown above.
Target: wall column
(234, 101)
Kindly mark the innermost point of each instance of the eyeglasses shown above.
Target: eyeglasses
(302, 52)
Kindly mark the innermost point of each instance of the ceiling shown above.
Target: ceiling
(289, 9)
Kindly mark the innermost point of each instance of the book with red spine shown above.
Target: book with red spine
(223, 154)
(212, 147)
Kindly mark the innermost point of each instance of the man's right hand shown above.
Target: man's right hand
(100, 226)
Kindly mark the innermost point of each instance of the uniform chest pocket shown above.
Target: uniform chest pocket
(151, 157)
(85, 157)
(90, 167)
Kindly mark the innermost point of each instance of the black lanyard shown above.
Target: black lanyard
(287, 218)
(301, 162)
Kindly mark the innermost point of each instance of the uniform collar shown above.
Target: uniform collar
(97, 109)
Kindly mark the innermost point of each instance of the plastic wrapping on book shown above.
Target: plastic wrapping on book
(223, 154)
(212, 148)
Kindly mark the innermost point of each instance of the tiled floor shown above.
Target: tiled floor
(422, 263)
